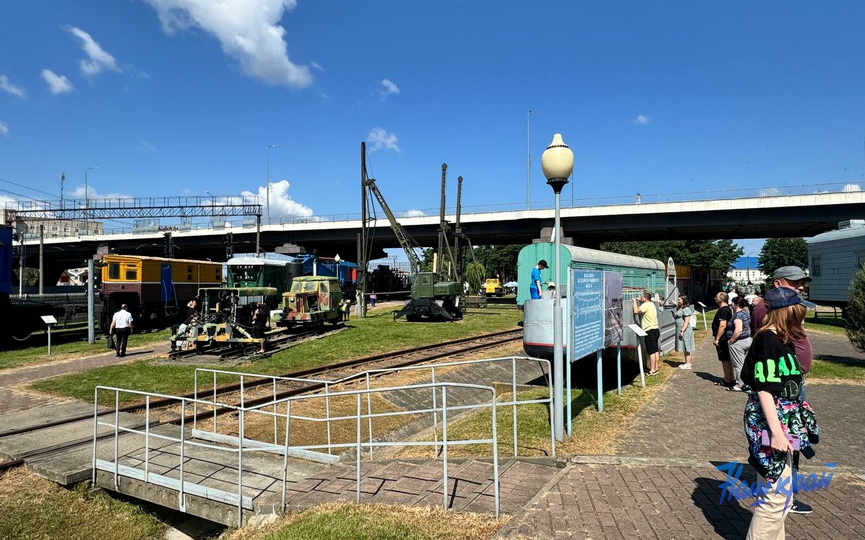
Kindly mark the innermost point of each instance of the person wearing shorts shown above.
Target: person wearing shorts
(649, 323)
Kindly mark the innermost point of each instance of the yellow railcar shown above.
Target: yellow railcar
(154, 288)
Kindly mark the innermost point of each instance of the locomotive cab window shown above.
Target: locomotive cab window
(131, 273)
(114, 271)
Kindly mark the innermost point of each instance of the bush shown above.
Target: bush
(855, 312)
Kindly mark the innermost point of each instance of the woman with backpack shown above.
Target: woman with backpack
(683, 316)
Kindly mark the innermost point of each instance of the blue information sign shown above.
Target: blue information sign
(587, 335)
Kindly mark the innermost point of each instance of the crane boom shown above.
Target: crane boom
(408, 243)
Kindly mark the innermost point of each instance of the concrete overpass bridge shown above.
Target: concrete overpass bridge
(752, 214)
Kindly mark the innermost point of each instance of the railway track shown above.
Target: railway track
(230, 393)
(276, 342)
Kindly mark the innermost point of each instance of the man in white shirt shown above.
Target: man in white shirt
(121, 327)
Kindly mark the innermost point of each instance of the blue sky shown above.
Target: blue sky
(171, 97)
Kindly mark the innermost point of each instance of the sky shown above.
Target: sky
(185, 97)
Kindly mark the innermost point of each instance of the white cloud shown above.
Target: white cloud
(641, 120)
(144, 145)
(78, 193)
(281, 203)
(4, 130)
(769, 192)
(58, 84)
(388, 88)
(98, 59)
(247, 30)
(316, 65)
(850, 188)
(414, 213)
(7, 86)
(381, 139)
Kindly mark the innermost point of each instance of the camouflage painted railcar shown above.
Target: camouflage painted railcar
(312, 301)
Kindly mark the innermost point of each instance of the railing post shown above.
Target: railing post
(214, 402)
(495, 454)
(95, 431)
(327, 415)
(275, 411)
(357, 452)
(285, 456)
(435, 414)
(513, 399)
(240, 459)
(147, 439)
(445, 447)
(369, 412)
(181, 504)
(116, 436)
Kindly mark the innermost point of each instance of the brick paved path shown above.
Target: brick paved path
(659, 480)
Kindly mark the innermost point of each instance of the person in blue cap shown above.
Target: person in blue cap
(778, 420)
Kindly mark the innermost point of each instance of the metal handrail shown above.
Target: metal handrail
(246, 445)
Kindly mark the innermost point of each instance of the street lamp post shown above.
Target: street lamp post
(267, 177)
(87, 197)
(558, 164)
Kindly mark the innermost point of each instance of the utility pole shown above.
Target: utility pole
(528, 160)
(362, 249)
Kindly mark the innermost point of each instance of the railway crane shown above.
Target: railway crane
(433, 295)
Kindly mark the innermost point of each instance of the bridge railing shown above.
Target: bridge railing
(224, 222)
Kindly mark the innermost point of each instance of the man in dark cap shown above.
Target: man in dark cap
(791, 277)
(535, 287)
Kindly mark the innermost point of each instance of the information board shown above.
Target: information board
(588, 312)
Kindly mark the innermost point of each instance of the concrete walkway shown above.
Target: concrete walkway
(659, 480)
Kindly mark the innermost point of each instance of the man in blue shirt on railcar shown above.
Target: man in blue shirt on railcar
(535, 288)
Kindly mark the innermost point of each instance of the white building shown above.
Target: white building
(745, 270)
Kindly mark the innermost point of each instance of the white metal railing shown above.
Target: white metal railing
(241, 444)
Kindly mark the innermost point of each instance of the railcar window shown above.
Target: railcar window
(132, 274)
(114, 271)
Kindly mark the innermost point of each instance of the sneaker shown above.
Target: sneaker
(798, 507)
(685, 366)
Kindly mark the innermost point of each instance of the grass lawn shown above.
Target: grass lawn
(376, 333)
(32, 356)
(376, 522)
(32, 507)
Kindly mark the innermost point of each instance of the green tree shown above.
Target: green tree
(499, 261)
(718, 254)
(778, 252)
(475, 274)
(855, 311)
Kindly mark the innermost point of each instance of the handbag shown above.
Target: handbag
(110, 342)
(693, 321)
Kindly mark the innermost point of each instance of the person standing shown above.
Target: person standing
(372, 299)
(121, 327)
(685, 336)
(719, 330)
(777, 409)
(649, 323)
(260, 320)
(739, 339)
(551, 288)
(536, 290)
(792, 277)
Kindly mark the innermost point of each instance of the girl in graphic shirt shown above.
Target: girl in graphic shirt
(773, 372)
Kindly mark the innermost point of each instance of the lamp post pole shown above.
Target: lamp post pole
(528, 160)
(87, 197)
(267, 177)
(558, 164)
